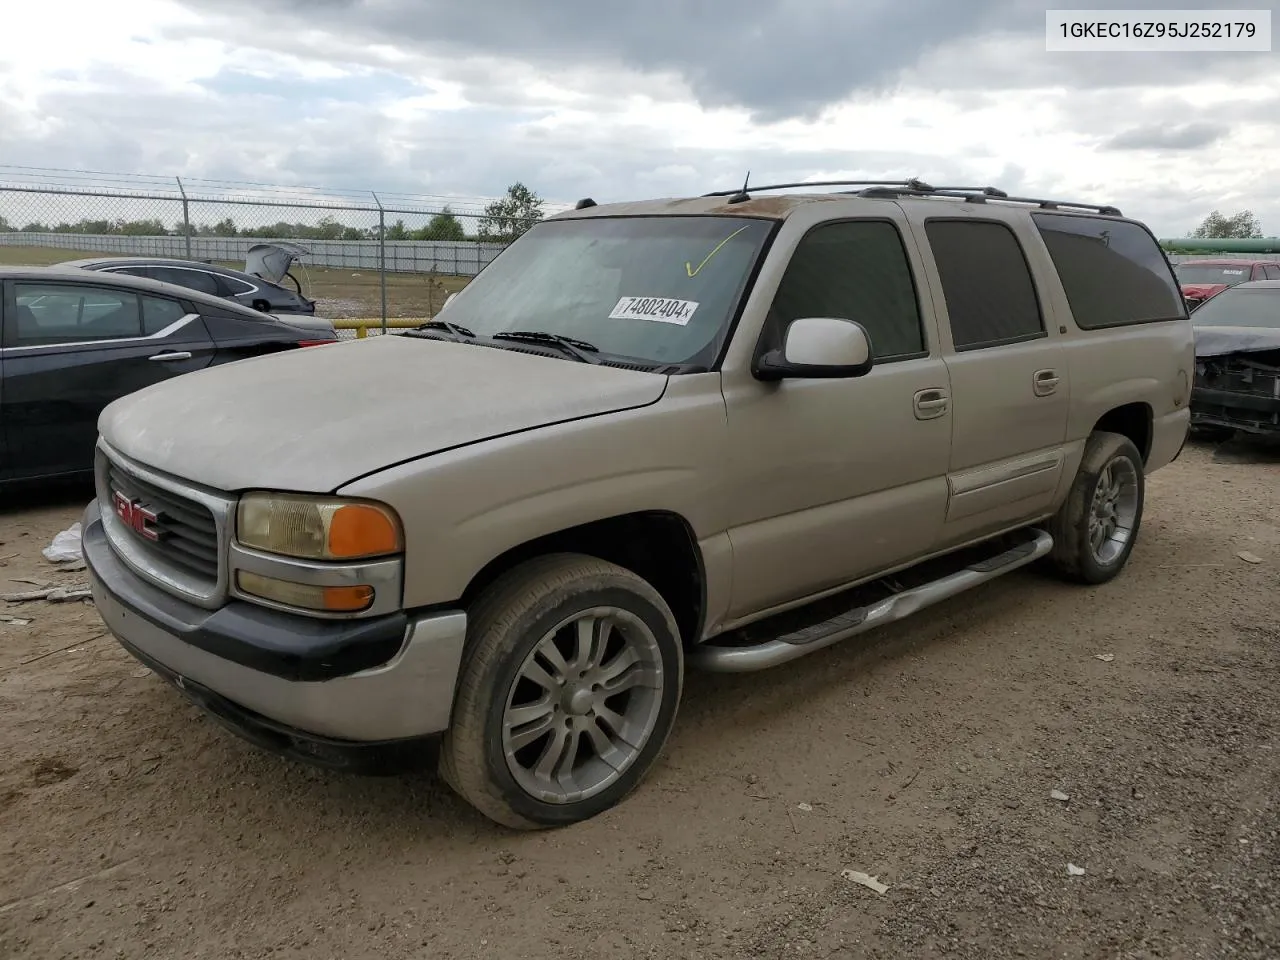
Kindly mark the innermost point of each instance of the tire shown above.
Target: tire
(538, 603)
(1107, 457)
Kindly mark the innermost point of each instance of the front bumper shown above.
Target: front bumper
(1255, 413)
(262, 671)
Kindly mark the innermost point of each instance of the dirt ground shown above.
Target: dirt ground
(923, 755)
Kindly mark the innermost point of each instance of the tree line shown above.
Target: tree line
(503, 220)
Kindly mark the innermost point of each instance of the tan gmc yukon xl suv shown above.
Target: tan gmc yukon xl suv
(725, 431)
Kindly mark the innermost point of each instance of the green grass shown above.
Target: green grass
(341, 292)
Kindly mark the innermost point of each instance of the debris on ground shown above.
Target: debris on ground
(807, 808)
(1074, 871)
(75, 591)
(1248, 557)
(33, 582)
(16, 621)
(1104, 657)
(871, 883)
(65, 546)
(1059, 796)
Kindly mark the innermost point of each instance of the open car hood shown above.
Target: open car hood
(1220, 341)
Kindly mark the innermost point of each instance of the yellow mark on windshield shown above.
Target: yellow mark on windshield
(689, 267)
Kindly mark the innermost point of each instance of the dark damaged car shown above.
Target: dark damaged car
(1237, 381)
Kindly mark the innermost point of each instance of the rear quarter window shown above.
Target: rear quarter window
(234, 286)
(1113, 271)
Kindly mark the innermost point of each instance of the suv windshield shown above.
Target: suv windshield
(1227, 273)
(659, 290)
(1241, 308)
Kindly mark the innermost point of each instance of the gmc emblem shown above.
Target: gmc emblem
(135, 516)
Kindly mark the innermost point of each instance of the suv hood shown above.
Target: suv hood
(314, 419)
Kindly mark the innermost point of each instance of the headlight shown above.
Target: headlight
(311, 528)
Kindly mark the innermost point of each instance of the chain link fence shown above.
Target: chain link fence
(368, 255)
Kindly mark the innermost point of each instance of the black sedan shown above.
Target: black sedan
(1237, 383)
(72, 341)
(260, 293)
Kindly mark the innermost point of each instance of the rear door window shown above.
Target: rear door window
(991, 298)
(1113, 271)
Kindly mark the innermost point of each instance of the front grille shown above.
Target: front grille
(1237, 391)
(186, 531)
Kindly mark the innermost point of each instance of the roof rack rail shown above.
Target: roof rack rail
(983, 194)
(891, 189)
(911, 184)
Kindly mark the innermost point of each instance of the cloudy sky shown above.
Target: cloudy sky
(616, 101)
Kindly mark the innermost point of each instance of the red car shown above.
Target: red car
(1202, 278)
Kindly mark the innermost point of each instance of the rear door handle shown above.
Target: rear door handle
(1045, 382)
(171, 355)
(931, 403)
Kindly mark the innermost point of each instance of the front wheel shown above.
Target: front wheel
(1095, 529)
(567, 694)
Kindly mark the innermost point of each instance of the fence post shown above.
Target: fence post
(186, 216)
(382, 258)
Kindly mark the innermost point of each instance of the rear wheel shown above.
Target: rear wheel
(568, 692)
(1095, 529)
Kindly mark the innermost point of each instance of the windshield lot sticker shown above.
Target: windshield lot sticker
(1234, 273)
(660, 309)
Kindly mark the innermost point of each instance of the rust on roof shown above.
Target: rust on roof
(772, 206)
(777, 205)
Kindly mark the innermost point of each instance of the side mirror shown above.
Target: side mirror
(818, 348)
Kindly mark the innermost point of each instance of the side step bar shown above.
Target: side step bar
(792, 646)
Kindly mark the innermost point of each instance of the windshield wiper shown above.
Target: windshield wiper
(459, 333)
(570, 345)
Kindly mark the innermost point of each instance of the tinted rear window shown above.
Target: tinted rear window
(1113, 271)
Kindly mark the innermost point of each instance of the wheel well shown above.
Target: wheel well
(1133, 420)
(657, 545)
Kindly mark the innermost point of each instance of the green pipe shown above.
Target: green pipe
(1232, 245)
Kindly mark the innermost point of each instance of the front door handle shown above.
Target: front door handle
(1045, 382)
(171, 355)
(931, 403)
